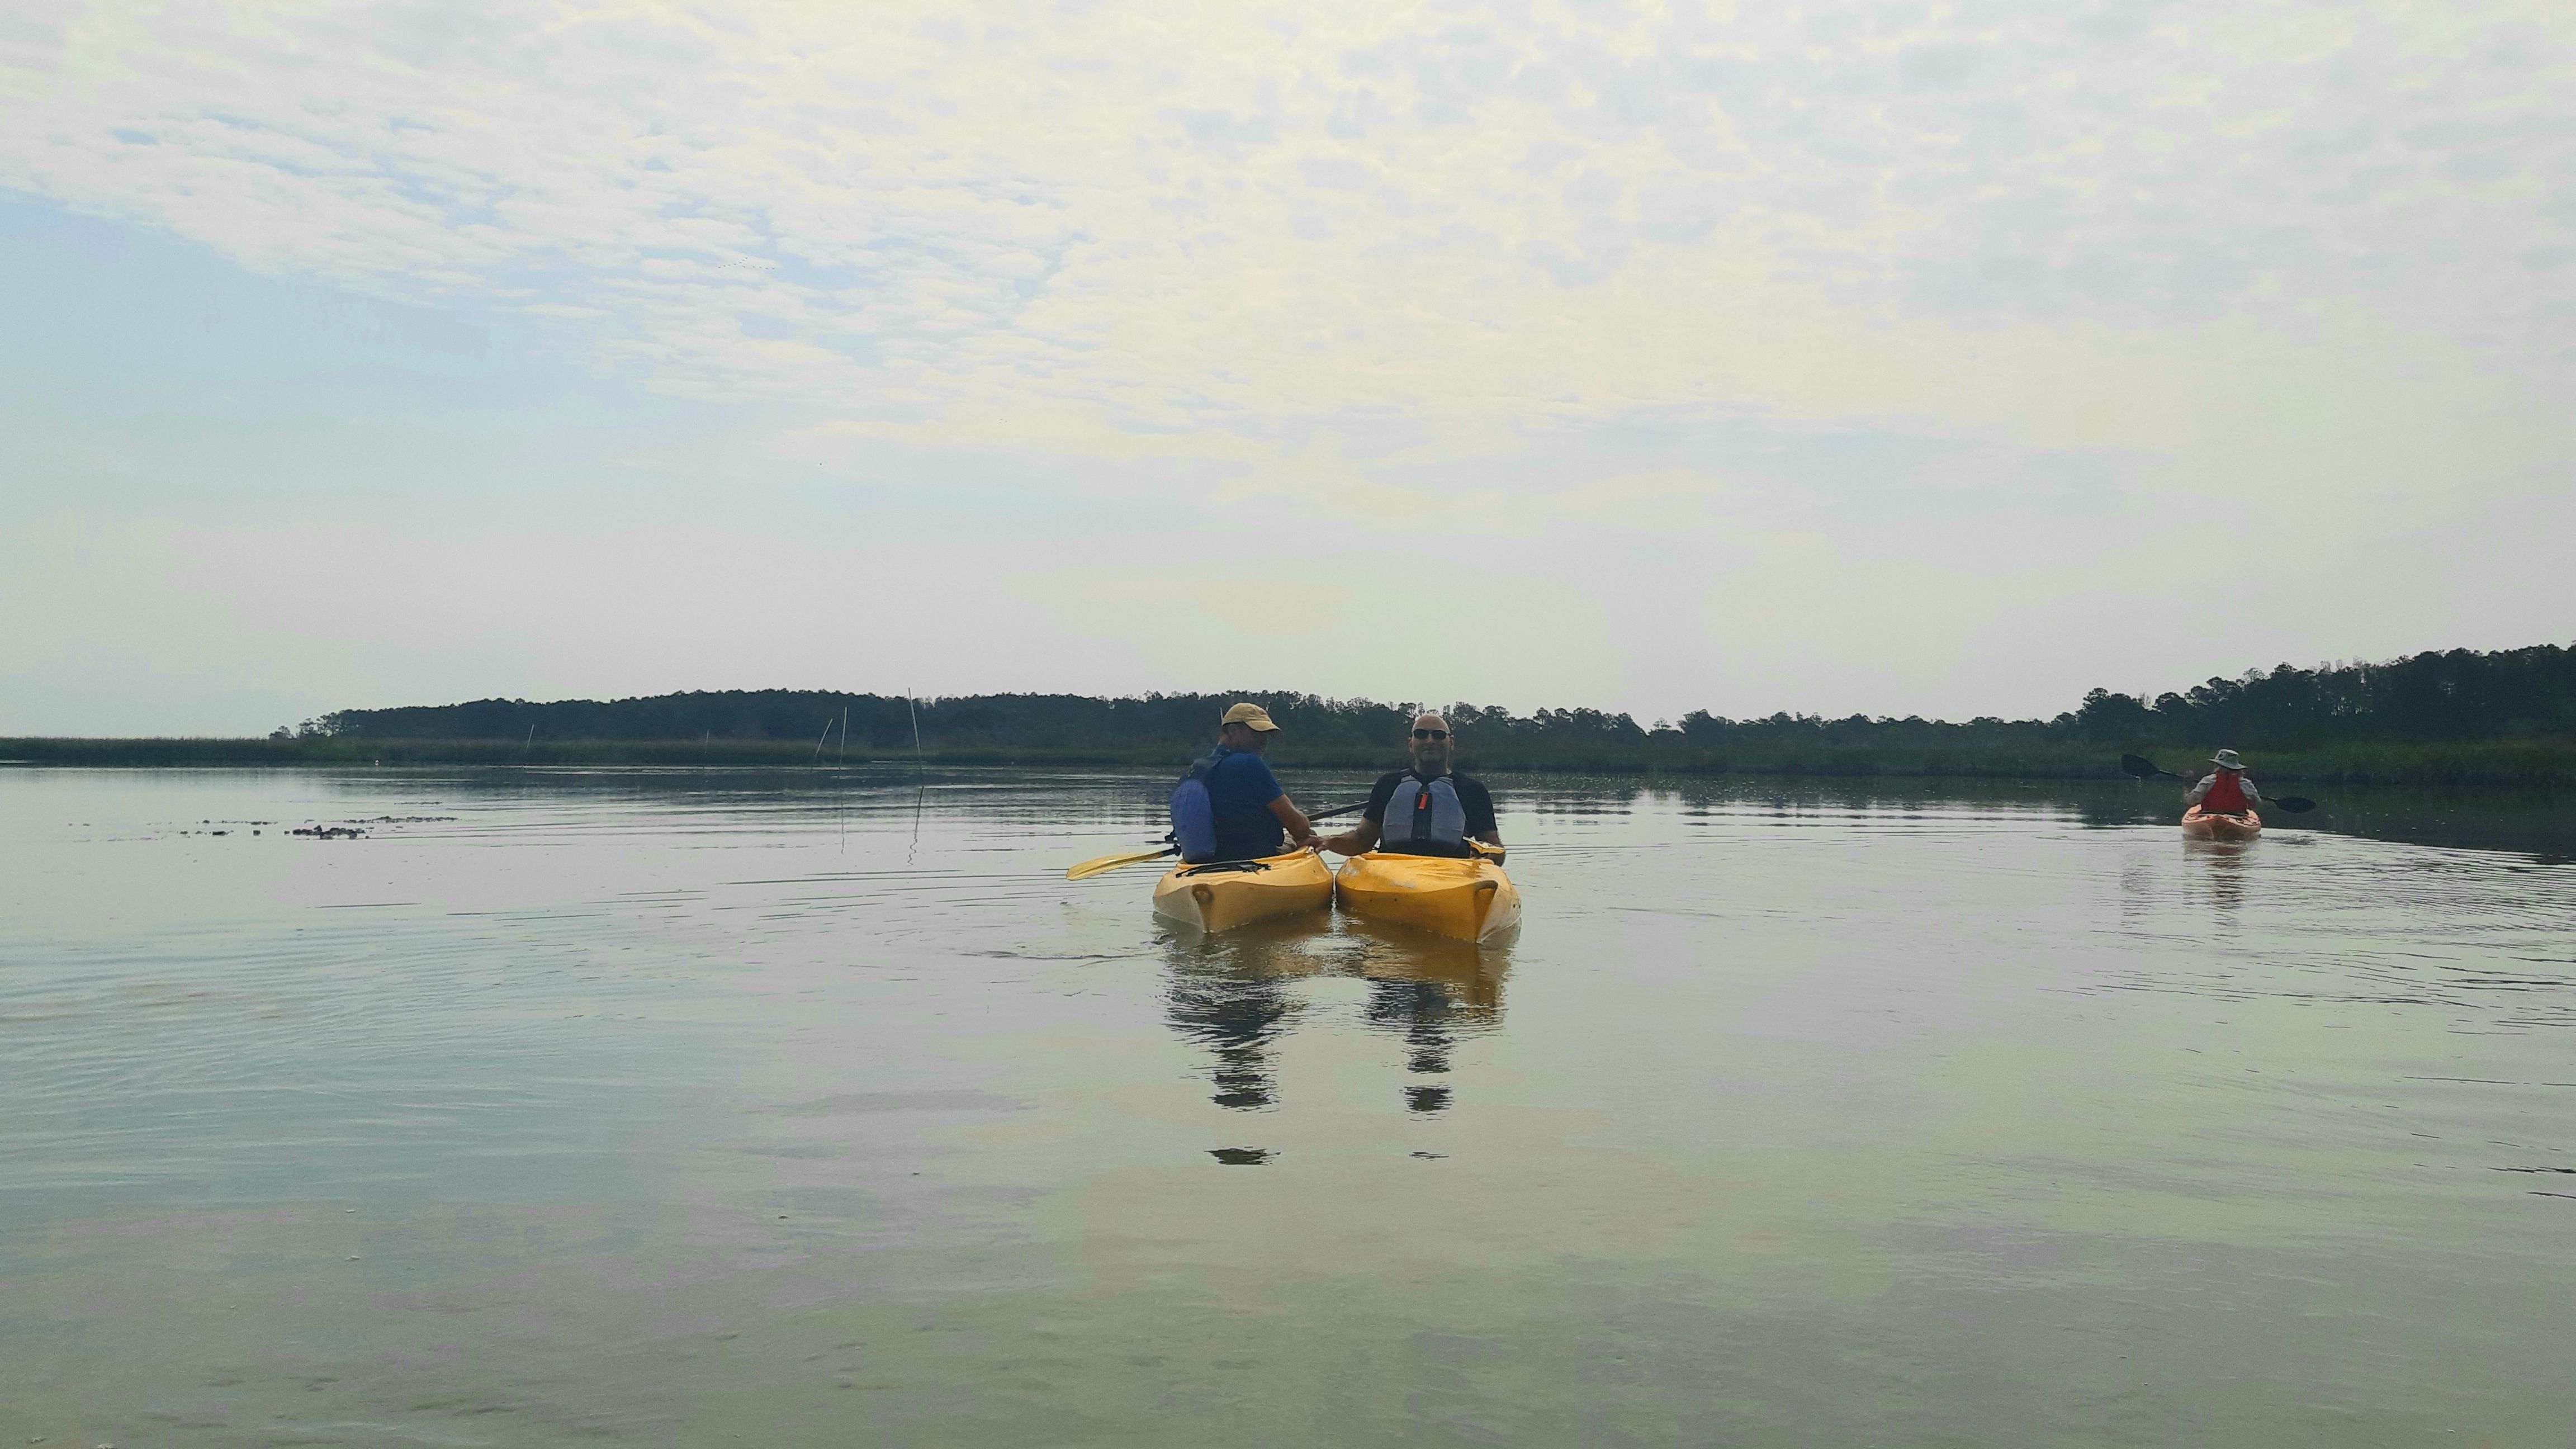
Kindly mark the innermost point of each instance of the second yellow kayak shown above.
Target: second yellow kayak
(1229, 893)
(1469, 900)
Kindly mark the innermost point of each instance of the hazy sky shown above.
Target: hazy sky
(1938, 358)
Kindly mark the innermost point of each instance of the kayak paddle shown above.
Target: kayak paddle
(2144, 768)
(1090, 868)
(1096, 865)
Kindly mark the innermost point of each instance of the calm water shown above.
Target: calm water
(788, 1110)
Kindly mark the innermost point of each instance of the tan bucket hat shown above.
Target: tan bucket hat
(2227, 760)
(1251, 714)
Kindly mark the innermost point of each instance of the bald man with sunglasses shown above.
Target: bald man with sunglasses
(1436, 810)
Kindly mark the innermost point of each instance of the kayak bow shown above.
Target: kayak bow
(1469, 900)
(2198, 825)
(1228, 893)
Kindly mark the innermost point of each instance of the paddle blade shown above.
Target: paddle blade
(2140, 766)
(2295, 804)
(1095, 866)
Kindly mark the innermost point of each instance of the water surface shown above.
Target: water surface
(682, 1108)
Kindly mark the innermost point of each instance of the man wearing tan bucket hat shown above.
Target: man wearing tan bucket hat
(1424, 808)
(2227, 790)
(1253, 815)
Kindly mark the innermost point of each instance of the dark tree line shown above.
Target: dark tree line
(2512, 694)
(2456, 696)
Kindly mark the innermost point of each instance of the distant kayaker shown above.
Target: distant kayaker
(1434, 810)
(2227, 790)
(1247, 816)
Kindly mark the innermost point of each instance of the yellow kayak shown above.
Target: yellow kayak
(1228, 893)
(1470, 900)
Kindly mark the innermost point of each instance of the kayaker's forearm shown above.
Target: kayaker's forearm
(1300, 829)
(1354, 841)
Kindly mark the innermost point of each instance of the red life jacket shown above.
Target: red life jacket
(2225, 796)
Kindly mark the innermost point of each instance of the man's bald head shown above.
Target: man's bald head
(1431, 747)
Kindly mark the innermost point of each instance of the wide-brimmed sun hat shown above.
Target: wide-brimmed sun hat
(2226, 760)
(1251, 714)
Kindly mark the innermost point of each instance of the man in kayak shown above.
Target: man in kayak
(1252, 815)
(2227, 790)
(1433, 810)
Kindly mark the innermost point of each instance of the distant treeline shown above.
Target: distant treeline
(2519, 705)
(2461, 695)
(2462, 716)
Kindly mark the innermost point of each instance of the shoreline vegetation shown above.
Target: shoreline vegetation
(2457, 718)
(2510, 763)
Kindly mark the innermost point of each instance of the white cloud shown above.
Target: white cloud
(1224, 219)
(1751, 355)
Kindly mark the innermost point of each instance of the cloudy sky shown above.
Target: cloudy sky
(1895, 358)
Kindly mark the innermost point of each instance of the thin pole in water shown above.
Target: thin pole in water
(819, 739)
(530, 742)
(921, 785)
(845, 734)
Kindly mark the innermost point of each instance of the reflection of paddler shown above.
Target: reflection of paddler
(1231, 993)
(1430, 992)
(1470, 977)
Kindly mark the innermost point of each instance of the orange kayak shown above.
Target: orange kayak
(2199, 826)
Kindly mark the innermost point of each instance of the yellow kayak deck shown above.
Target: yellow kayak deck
(1225, 894)
(1467, 900)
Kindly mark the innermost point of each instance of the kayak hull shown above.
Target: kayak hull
(2197, 825)
(1231, 893)
(1465, 900)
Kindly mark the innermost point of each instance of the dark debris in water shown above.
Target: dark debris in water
(1240, 1156)
(331, 832)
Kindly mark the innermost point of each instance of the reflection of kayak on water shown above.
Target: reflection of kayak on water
(2200, 825)
(1235, 995)
(1467, 900)
(1228, 893)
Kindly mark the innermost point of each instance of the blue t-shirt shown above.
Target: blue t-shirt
(1240, 788)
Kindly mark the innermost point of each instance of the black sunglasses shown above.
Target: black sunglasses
(1431, 734)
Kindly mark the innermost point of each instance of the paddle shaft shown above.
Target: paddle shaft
(2141, 766)
(1090, 868)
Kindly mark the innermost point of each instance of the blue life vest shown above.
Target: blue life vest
(1194, 814)
(1424, 818)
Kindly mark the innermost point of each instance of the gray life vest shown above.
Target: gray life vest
(1424, 818)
